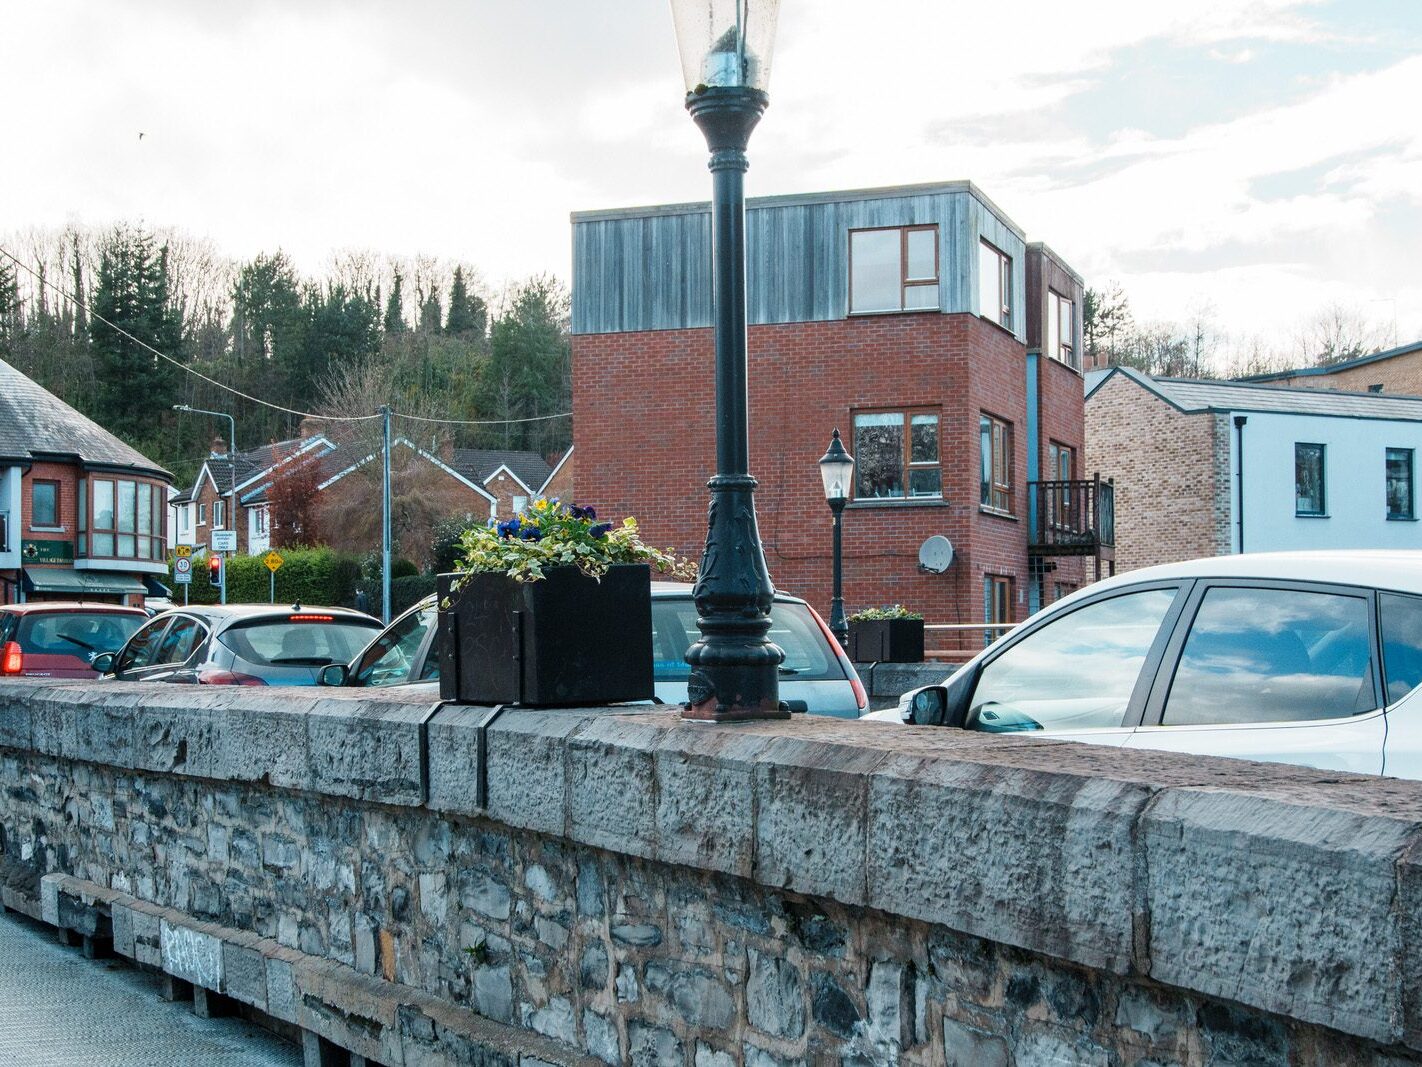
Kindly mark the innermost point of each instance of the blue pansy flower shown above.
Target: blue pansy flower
(600, 530)
(530, 533)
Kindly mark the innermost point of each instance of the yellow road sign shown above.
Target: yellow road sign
(182, 551)
(273, 561)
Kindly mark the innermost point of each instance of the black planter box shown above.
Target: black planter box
(886, 641)
(563, 641)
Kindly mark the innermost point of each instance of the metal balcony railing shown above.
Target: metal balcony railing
(1073, 517)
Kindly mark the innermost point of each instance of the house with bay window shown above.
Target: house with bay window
(1207, 468)
(920, 322)
(82, 515)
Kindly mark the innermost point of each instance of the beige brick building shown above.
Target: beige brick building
(1398, 370)
(1205, 468)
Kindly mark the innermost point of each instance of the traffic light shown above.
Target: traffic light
(214, 570)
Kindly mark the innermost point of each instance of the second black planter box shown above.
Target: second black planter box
(562, 641)
(886, 641)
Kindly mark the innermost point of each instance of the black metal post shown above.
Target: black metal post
(735, 667)
(839, 625)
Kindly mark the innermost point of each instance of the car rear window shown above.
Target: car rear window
(76, 633)
(311, 642)
(792, 627)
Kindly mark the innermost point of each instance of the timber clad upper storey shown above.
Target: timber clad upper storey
(908, 318)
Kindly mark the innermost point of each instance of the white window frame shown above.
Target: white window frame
(993, 262)
(1062, 346)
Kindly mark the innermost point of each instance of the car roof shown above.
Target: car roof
(236, 612)
(1394, 569)
(51, 606)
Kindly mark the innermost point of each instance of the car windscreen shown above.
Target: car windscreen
(792, 627)
(76, 633)
(297, 641)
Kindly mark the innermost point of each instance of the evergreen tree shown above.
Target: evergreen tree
(527, 372)
(395, 307)
(344, 328)
(431, 314)
(10, 318)
(468, 315)
(134, 386)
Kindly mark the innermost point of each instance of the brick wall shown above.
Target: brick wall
(645, 436)
(1400, 374)
(1170, 470)
(1062, 419)
(562, 483)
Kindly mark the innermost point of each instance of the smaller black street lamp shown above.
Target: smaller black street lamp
(836, 468)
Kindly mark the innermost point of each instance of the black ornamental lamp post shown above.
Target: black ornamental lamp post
(836, 468)
(725, 50)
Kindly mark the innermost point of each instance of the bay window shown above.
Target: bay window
(120, 519)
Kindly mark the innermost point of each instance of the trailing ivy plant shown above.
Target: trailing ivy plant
(553, 534)
(892, 611)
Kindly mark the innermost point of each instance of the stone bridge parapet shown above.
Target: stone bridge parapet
(426, 885)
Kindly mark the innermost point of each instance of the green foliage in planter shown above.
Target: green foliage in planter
(552, 534)
(891, 611)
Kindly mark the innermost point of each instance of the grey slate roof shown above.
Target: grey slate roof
(1334, 368)
(1188, 394)
(476, 464)
(34, 424)
(245, 465)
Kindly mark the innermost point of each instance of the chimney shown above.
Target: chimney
(219, 448)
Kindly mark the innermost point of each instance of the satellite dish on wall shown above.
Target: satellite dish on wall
(936, 554)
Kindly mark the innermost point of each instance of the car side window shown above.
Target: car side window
(142, 646)
(1401, 618)
(1273, 655)
(178, 643)
(388, 660)
(1076, 672)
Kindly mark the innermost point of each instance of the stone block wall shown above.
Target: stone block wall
(430, 885)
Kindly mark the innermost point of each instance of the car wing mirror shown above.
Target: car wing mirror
(103, 663)
(924, 707)
(333, 674)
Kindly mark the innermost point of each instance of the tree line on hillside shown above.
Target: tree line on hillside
(1198, 347)
(422, 335)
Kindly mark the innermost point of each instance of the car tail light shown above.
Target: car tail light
(216, 677)
(12, 660)
(861, 695)
(311, 618)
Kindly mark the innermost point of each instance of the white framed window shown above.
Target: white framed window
(520, 505)
(259, 520)
(994, 284)
(1061, 330)
(217, 515)
(893, 269)
(202, 514)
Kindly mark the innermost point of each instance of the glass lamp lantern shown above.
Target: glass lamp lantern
(836, 469)
(725, 43)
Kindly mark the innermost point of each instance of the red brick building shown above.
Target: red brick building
(81, 513)
(917, 321)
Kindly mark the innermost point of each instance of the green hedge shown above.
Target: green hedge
(312, 576)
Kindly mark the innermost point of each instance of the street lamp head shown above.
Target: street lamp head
(725, 43)
(181, 407)
(836, 469)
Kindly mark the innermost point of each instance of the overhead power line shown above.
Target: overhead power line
(77, 302)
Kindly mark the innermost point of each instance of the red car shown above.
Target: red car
(55, 640)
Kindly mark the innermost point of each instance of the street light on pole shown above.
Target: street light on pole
(836, 469)
(231, 517)
(725, 48)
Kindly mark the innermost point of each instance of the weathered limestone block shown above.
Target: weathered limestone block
(452, 739)
(263, 742)
(527, 774)
(704, 781)
(1289, 906)
(178, 729)
(1038, 860)
(612, 785)
(810, 828)
(191, 953)
(17, 704)
(366, 749)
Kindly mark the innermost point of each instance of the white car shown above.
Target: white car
(1311, 658)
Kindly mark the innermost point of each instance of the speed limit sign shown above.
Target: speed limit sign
(183, 570)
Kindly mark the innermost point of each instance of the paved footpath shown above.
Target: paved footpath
(58, 1009)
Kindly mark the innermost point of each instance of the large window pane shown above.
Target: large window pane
(924, 439)
(1273, 655)
(103, 508)
(879, 455)
(44, 504)
(1308, 479)
(922, 254)
(126, 509)
(1075, 673)
(145, 508)
(1402, 643)
(875, 280)
(989, 282)
(1399, 484)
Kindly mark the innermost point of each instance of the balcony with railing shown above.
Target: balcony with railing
(1073, 518)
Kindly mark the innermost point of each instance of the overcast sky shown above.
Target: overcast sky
(1264, 156)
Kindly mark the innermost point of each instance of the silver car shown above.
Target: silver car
(239, 644)
(816, 676)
